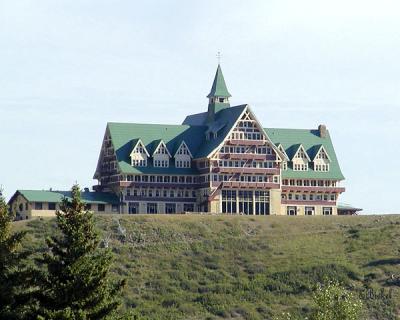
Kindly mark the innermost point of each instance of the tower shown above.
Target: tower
(218, 98)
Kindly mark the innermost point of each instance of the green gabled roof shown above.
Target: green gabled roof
(311, 141)
(228, 117)
(57, 196)
(219, 88)
(346, 206)
(150, 134)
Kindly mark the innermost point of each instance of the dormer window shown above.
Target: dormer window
(161, 155)
(300, 159)
(321, 160)
(183, 156)
(139, 155)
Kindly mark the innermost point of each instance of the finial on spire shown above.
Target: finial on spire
(219, 57)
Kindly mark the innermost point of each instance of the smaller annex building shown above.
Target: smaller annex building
(44, 203)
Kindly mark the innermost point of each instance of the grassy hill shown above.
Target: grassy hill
(212, 267)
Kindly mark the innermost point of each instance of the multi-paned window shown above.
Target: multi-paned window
(182, 163)
(321, 167)
(139, 163)
(300, 166)
(327, 211)
(161, 163)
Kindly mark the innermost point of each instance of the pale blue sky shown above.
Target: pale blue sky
(68, 67)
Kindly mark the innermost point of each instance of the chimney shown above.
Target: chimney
(322, 130)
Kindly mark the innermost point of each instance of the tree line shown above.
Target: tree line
(71, 279)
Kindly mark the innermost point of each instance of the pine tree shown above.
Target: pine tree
(12, 272)
(75, 283)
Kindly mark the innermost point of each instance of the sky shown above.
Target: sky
(69, 67)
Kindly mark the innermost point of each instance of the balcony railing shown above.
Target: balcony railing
(246, 142)
(317, 189)
(245, 185)
(309, 202)
(249, 170)
(181, 185)
(155, 199)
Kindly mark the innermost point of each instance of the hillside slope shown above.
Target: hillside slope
(211, 267)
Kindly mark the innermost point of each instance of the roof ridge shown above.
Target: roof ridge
(148, 123)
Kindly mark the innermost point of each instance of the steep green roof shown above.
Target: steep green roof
(311, 141)
(194, 133)
(219, 88)
(57, 196)
(122, 135)
(224, 119)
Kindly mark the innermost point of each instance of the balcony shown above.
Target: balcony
(155, 199)
(159, 184)
(246, 142)
(313, 189)
(249, 170)
(245, 185)
(308, 203)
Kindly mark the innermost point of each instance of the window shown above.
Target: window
(188, 207)
(114, 208)
(38, 206)
(88, 206)
(133, 207)
(291, 211)
(309, 211)
(170, 208)
(52, 206)
(101, 207)
(139, 163)
(161, 163)
(182, 163)
(300, 167)
(321, 167)
(151, 208)
(327, 211)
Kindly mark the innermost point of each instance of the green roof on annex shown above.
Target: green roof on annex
(58, 196)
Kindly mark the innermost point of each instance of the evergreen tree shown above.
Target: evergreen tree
(75, 283)
(12, 273)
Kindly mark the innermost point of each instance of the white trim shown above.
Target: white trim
(304, 150)
(180, 146)
(280, 147)
(319, 150)
(144, 147)
(247, 108)
(165, 146)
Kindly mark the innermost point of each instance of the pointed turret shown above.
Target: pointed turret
(218, 96)
(219, 88)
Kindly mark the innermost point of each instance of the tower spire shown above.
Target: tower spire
(218, 98)
(219, 88)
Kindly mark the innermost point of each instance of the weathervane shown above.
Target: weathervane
(219, 57)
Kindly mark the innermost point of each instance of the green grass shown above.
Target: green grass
(212, 267)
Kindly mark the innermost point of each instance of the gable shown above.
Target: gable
(301, 153)
(290, 139)
(122, 135)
